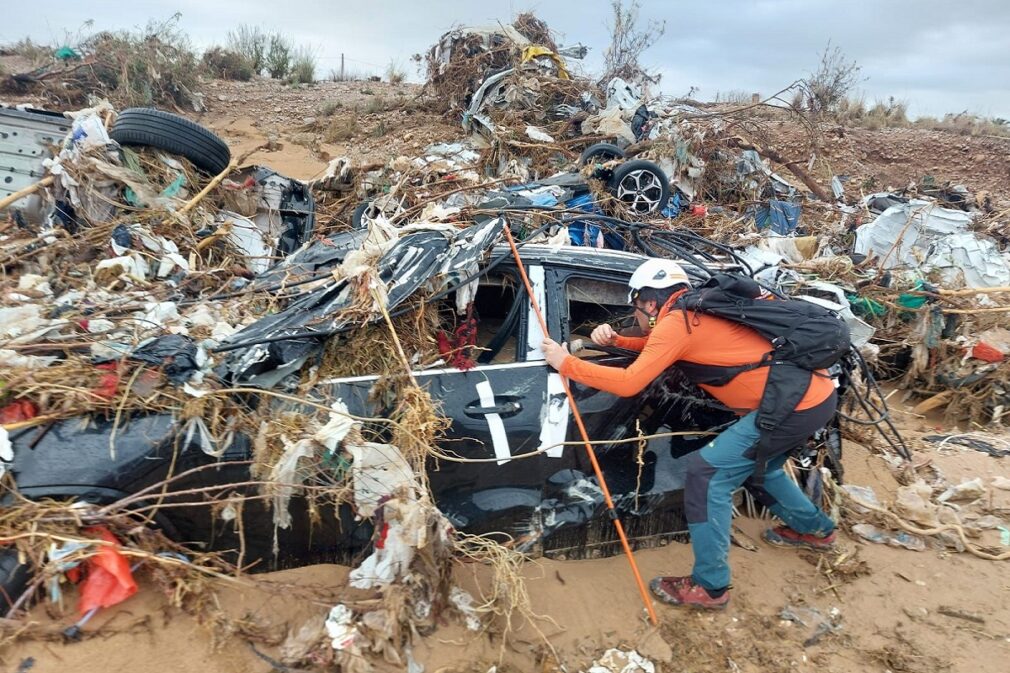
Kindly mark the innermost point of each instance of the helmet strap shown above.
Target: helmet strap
(651, 316)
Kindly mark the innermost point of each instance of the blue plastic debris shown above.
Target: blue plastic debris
(673, 206)
(781, 216)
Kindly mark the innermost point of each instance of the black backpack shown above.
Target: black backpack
(805, 337)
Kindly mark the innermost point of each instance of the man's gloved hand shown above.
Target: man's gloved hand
(604, 335)
(554, 353)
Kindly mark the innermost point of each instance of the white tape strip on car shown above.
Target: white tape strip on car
(499, 440)
(535, 335)
(554, 428)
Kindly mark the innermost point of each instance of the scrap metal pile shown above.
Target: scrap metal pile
(139, 282)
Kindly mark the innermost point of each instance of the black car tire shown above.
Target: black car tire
(600, 152)
(14, 578)
(148, 127)
(641, 185)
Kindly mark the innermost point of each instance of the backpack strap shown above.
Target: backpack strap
(787, 384)
(717, 375)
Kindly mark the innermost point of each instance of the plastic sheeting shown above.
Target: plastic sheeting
(920, 236)
(412, 260)
(782, 217)
(383, 479)
(108, 579)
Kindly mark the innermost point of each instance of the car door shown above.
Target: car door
(497, 410)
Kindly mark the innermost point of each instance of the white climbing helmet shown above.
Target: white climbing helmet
(656, 273)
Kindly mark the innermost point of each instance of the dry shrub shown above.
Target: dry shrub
(891, 113)
(628, 41)
(347, 75)
(329, 108)
(342, 128)
(152, 66)
(149, 66)
(375, 104)
(395, 74)
(303, 66)
(278, 58)
(831, 83)
(849, 109)
(967, 125)
(733, 97)
(226, 64)
(27, 49)
(251, 43)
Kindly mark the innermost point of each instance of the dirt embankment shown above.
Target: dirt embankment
(878, 160)
(304, 126)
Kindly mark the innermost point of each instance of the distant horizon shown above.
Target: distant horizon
(915, 52)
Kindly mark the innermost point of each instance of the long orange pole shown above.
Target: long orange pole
(611, 511)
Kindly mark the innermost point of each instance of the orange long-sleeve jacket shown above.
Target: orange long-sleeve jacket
(702, 339)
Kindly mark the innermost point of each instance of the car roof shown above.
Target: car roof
(596, 259)
(574, 256)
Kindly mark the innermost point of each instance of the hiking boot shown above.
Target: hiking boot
(683, 591)
(783, 536)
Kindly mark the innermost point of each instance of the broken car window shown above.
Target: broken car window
(591, 302)
(486, 332)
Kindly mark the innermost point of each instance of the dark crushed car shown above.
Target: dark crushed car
(508, 405)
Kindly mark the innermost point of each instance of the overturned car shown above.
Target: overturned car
(509, 464)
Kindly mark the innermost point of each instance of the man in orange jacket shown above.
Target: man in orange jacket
(721, 467)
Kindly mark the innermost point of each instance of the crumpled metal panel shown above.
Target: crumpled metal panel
(26, 137)
(416, 258)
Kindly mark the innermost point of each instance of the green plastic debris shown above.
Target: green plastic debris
(67, 54)
(864, 306)
(912, 301)
(175, 187)
(339, 464)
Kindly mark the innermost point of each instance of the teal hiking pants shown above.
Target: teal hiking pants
(721, 467)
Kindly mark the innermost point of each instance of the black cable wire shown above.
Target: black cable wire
(878, 416)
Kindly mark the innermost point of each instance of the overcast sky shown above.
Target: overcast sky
(938, 56)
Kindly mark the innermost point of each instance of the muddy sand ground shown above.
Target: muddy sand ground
(906, 611)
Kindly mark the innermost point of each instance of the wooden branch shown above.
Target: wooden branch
(210, 186)
(793, 166)
(967, 293)
(31, 189)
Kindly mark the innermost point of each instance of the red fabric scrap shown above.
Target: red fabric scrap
(18, 410)
(108, 579)
(383, 534)
(456, 350)
(986, 353)
(107, 383)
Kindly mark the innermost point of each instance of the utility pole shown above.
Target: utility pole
(341, 66)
